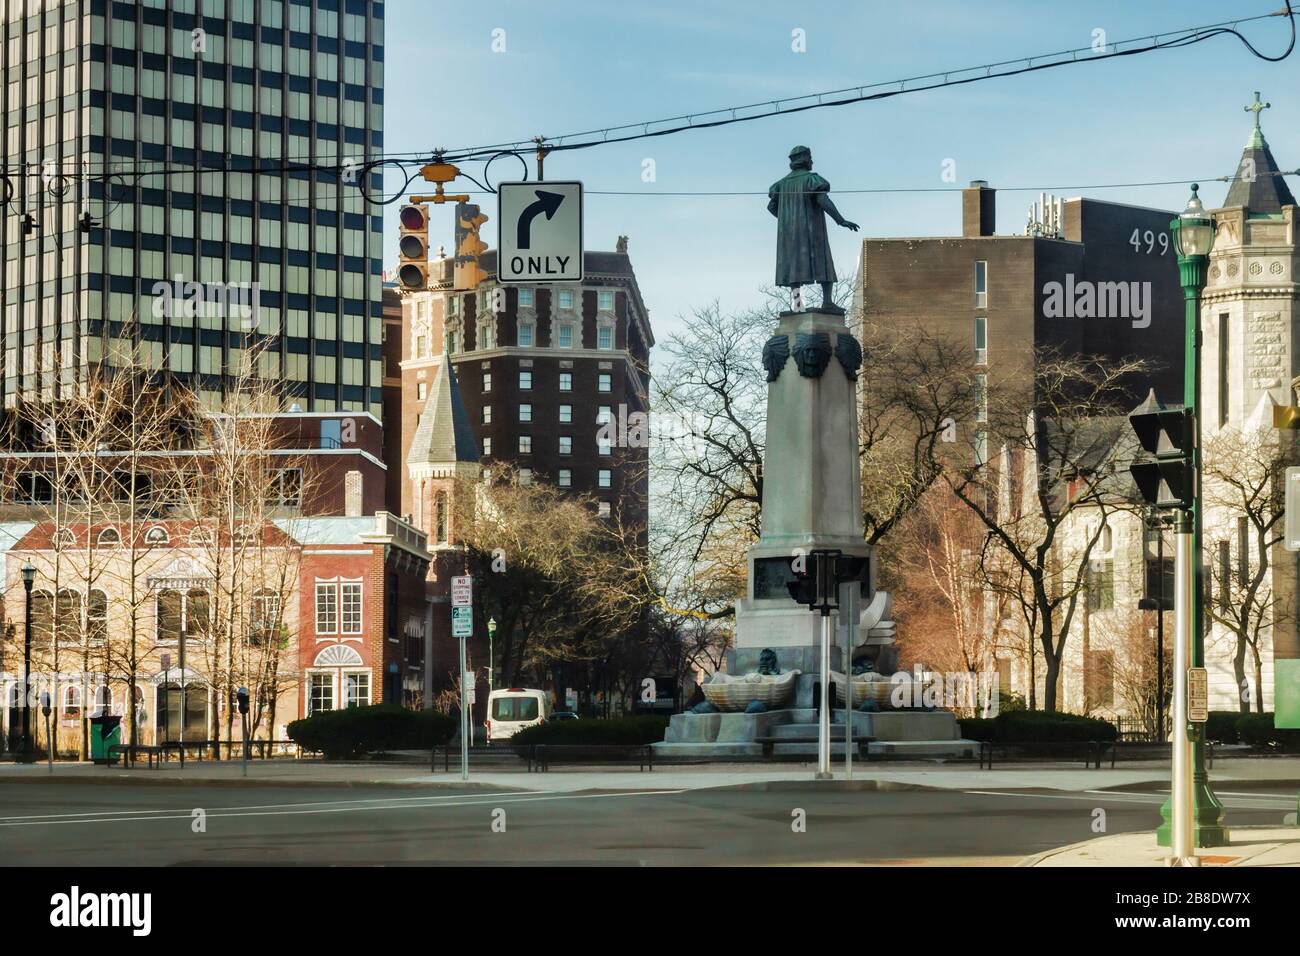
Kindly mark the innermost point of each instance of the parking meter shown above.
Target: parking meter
(49, 736)
(45, 702)
(242, 696)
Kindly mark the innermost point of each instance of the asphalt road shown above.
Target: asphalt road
(68, 824)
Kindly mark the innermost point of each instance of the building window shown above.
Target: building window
(981, 284)
(525, 444)
(604, 382)
(264, 617)
(565, 479)
(487, 445)
(525, 335)
(605, 337)
(604, 414)
(286, 488)
(566, 299)
(602, 445)
(981, 448)
(338, 602)
(525, 476)
(981, 397)
(486, 334)
(981, 340)
(156, 537)
(487, 381)
(526, 381)
(1243, 551)
(356, 689)
(566, 381)
(564, 338)
(421, 389)
(327, 597)
(487, 414)
(525, 299)
(441, 517)
(602, 509)
(1101, 585)
(1224, 359)
(322, 693)
(525, 412)
(604, 478)
(97, 617)
(72, 702)
(605, 300)
(566, 414)
(566, 445)
(179, 613)
(108, 538)
(1099, 683)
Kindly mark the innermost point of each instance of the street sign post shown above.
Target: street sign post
(1292, 539)
(462, 626)
(462, 591)
(539, 237)
(462, 622)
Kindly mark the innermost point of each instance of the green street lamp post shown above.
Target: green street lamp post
(1193, 234)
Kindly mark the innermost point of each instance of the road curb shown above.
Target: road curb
(253, 782)
(847, 786)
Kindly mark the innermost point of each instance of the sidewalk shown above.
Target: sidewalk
(879, 775)
(1251, 846)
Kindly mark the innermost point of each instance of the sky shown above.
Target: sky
(574, 65)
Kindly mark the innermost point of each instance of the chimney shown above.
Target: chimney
(978, 209)
(352, 488)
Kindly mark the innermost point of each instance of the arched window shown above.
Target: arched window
(1104, 542)
(71, 703)
(68, 625)
(97, 617)
(440, 504)
(108, 538)
(245, 534)
(201, 537)
(157, 537)
(64, 539)
(42, 616)
(103, 699)
(486, 332)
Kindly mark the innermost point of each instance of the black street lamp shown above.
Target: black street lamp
(25, 751)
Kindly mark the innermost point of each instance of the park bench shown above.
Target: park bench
(1139, 750)
(543, 755)
(1092, 750)
(130, 753)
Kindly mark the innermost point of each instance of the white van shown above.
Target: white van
(514, 709)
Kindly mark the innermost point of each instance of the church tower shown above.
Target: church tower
(1250, 357)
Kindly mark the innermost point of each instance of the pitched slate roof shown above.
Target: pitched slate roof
(443, 435)
(1266, 191)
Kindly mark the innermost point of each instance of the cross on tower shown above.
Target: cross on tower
(1257, 107)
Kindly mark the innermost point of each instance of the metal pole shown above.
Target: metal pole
(1160, 632)
(848, 692)
(49, 740)
(181, 730)
(824, 714)
(464, 717)
(244, 718)
(27, 679)
(1180, 804)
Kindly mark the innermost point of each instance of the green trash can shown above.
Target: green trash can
(105, 732)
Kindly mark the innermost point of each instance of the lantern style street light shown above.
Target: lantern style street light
(1193, 235)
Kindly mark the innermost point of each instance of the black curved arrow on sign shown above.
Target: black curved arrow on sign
(548, 203)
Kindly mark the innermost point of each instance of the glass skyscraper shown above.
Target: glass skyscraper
(179, 126)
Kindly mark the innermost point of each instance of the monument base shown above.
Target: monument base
(899, 734)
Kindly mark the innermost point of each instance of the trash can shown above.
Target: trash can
(105, 732)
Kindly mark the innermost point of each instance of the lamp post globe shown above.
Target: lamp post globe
(1193, 229)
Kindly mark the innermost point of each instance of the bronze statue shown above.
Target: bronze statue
(800, 202)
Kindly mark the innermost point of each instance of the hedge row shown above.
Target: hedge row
(646, 729)
(354, 731)
(1032, 726)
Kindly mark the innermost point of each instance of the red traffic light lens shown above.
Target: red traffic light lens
(413, 217)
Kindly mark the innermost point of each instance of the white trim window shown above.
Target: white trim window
(525, 411)
(566, 414)
(605, 478)
(525, 298)
(320, 693)
(487, 445)
(564, 300)
(526, 334)
(486, 334)
(604, 382)
(566, 444)
(605, 336)
(605, 300)
(566, 381)
(339, 606)
(565, 479)
(564, 335)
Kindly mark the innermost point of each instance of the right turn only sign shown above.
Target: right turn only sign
(540, 232)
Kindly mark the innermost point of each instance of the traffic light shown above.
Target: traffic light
(413, 249)
(818, 586)
(1166, 433)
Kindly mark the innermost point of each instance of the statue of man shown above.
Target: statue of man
(800, 202)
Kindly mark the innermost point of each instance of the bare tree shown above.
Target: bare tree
(1060, 430)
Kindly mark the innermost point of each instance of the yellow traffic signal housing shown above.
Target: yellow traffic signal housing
(413, 249)
(1286, 416)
